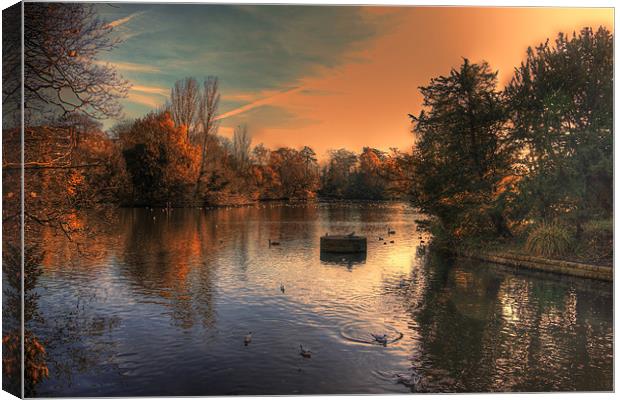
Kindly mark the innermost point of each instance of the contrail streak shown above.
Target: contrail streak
(258, 103)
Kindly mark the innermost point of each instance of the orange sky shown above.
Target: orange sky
(366, 102)
(327, 77)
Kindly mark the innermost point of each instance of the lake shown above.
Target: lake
(159, 304)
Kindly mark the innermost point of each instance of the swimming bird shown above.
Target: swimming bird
(382, 339)
(304, 352)
(408, 380)
(402, 283)
(390, 231)
(282, 287)
(273, 243)
(380, 238)
(247, 339)
(391, 241)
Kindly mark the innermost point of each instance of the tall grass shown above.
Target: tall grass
(548, 240)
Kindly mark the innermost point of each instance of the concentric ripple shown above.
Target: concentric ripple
(359, 332)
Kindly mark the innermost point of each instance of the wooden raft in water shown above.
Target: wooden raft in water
(343, 244)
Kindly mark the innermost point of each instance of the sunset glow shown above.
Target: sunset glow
(296, 80)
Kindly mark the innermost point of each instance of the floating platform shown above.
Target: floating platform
(343, 244)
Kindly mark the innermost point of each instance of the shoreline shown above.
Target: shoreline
(582, 270)
(234, 204)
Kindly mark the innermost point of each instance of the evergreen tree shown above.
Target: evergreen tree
(461, 154)
(561, 109)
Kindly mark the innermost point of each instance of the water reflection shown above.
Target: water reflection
(346, 259)
(516, 332)
(162, 305)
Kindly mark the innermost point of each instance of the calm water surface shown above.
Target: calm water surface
(160, 306)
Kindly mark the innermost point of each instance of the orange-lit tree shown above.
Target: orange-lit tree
(161, 161)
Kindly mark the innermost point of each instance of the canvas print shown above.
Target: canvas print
(226, 199)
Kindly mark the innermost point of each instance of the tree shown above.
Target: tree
(183, 105)
(260, 155)
(397, 172)
(291, 168)
(337, 173)
(461, 153)
(561, 111)
(160, 160)
(370, 182)
(310, 162)
(65, 88)
(241, 147)
(208, 104)
(61, 71)
(11, 66)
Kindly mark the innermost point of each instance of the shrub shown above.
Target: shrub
(599, 228)
(548, 240)
(597, 241)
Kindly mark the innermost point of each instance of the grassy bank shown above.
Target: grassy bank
(592, 244)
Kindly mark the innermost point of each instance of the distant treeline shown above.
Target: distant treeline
(175, 155)
(154, 161)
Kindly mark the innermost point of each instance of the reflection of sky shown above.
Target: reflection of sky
(328, 77)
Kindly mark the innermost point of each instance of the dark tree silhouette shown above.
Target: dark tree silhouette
(61, 72)
(461, 153)
(561, 108)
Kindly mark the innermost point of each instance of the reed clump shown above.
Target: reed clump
(548, 240)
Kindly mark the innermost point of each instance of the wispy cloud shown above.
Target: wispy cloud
(131, 67)
(151, 90)
(124, 20)
(146, 100)
(241, 96)
(260, 102)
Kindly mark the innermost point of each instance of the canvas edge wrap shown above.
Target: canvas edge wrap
(12, 198)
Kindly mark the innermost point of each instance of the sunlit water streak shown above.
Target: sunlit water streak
(161, 307)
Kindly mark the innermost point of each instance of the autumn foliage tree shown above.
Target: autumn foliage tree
(161, 161)
(371, 175)
(296, 170)
(65, 89)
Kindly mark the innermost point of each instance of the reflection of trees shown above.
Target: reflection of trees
(513, 333)
(347, 259)
(77, 342)
(163, 252)
(56, 346)
(11, 201)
